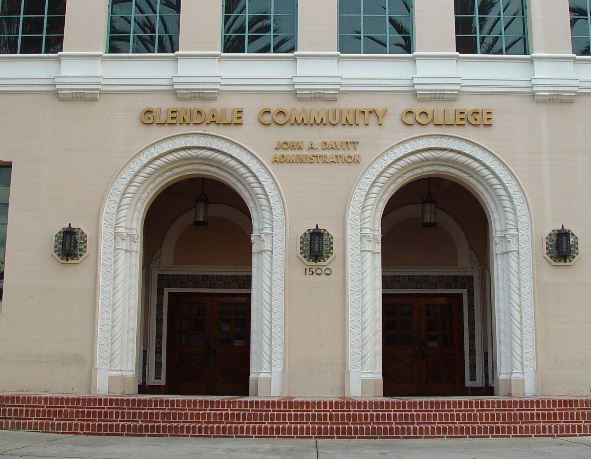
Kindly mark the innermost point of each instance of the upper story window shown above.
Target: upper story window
(260, 26)
(491, 27)
(32, 26)
(375, 26)
(144, 26)
(580, 25)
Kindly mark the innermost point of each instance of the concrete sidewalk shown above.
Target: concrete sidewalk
(42, 445)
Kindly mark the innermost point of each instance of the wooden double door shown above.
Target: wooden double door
(422, 345)
(208, 344)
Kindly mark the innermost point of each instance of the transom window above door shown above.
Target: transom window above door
(259, 26)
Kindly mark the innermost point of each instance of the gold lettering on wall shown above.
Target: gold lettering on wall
(447, 116)
(172, 115)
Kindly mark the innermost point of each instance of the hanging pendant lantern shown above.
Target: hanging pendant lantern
(69, 242)
(429, 210)
(563, 243)
(201, 207)
(316, 244)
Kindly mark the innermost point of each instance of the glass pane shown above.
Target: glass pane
(447, 340)
(259, 7)
(197, 309)
(120, 25)
(184, 340)
(196, 340)
(349, 7)
(55, 25)
(578, 4)
(580, 46)
(4, 193)
(579, 28)
(240, 310)
(399, 25)
(406, 310)
(431, 325)
(491, 45)
(168, 43)
(285, 7)
(10, 7)
(32, 45)
(146, 6)
(198, 325)
(235, 24)
(234, 6)
(406, 340)
(239, 324)
(185, 324)
(184, 309)
(391, 340)
(224, 324)
(283, 44)
(490, 26)
(350, 25)
(432, 341)
(239, 340)
(119, 44)
(34, 7)
(169, 25)
(33, 25)
(432, 310)
(391, 325)
(515, 45)
(513, 7)
(374, 44)
(8, 45)
(234, 43)
(224, 340)
(259, 25)
(170, 7)
(400, 45)
(284, 25)
(225, 309)
(9, 25)
(377, 7)
(466, 45)
(374, 25)
(465, 26)
(3, 215)
(464, 7)
(259, 44)
(399, 7)
(145, 24)
(350, 44)
(406, 325)
(121, 7)
(144, 43)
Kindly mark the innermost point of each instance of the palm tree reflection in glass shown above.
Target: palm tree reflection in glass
(579, 24)
(490, 27)
(152, 28)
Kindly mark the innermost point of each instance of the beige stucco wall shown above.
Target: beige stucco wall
(65, 156)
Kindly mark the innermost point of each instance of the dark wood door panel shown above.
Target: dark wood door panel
(422, 345)
(208, 351)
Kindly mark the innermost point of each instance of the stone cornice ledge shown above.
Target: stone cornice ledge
(317, 76)
(554, 78)
(198, 75)
(436, 76)
(80, 76)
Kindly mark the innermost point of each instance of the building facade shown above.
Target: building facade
(254, 197)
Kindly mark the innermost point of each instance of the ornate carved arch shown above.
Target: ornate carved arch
(509, 216)
(125, 207)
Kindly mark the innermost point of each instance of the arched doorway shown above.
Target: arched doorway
(196, 326)
(135, 187)
(435, 314)
(503, 200)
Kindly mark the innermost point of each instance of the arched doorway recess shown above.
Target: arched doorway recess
(129, 196)
(512, 283)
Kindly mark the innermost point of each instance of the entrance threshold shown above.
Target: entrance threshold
(297, 417)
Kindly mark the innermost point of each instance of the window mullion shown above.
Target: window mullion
(20, 27)
(157, 25)
(502, 22)
(387, 28)
(45, 26)
(132, 27)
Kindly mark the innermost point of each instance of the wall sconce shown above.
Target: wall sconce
(201, 206)
(563, 243)
(316, 247)
(70, 245)
(561, 247)
(316, 244)
(69, 242)
(429, 210)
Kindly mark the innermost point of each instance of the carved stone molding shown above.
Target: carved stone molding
(504, 198)
(155, 166)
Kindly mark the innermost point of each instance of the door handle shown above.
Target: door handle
(419, 350)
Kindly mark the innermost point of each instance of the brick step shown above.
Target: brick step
(297, 418)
